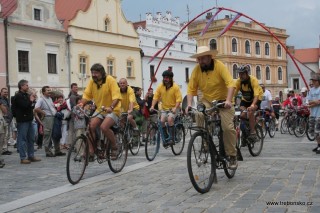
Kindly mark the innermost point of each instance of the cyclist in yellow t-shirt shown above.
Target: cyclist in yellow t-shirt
(251, 96)
(214, 80)
(171, 98)
(104, 91)
(129, 103)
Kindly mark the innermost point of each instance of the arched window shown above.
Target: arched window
(213, 44)
(156, 43)
(266, 49)
(258, 73)
(234, 45)
(279, 50)
(182, 48)
(247, 47)
(279, 74)
(257, 48)
(234, 71)
(268, 73)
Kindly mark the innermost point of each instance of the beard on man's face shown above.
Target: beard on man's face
(205, 66)
(96, 78)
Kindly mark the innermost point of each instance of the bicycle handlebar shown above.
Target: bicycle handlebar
(103, 109)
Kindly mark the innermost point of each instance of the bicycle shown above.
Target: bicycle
(310, 131)
(301, 121)
(155, 134)
(269, 124)
(254, 147)
(204, 154)
(133, 139)
(78, 154)
(187, 122)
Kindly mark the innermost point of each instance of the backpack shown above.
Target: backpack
(13, 105)
(246, 94)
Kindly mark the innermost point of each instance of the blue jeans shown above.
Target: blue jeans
(25, 139)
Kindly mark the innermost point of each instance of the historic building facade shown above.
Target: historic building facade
(98, 32)
(36, 45)
(247, 43)
(154, 33)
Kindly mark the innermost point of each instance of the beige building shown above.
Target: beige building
(99, 33)
(36, 46)
(247, 43)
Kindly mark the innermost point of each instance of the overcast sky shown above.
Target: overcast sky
(301, 18)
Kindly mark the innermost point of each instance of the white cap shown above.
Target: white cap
(304, 89)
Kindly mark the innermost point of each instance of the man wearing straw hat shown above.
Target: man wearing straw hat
(214, 80)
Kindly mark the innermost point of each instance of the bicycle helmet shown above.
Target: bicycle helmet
(243, 68)
(167, 73)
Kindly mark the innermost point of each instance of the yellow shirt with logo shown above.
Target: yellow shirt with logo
(105, 95)
(127, 98)
(169, 97)
(213, 84)
(257, 89)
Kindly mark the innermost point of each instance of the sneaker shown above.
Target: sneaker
(7, 152)
(315, 149)
(318, 150)
(25, 161)
(12, 142)
(233, 163)
(34, 159)
(60, 154)
(50, 154)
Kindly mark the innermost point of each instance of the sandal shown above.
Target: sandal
(114, 153)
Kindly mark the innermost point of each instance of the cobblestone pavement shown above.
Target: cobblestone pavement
(287, 171)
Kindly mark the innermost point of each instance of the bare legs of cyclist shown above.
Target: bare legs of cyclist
(105, 127)
(250, 110)
(170, 119)
(133, 124)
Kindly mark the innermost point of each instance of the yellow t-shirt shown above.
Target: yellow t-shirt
(105, 95)
(213, 84)
(257, 89)
(169, 97)
(128, 98)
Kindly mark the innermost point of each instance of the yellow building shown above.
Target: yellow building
(98, 32)
(247, 43)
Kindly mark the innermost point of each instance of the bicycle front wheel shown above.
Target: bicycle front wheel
(255, 147)
(310, 136)
(200, 163)
(118, 164)
(135, 141)
(152, 144)
(301, 127)
(180, 139)
(77, 159)
(284, 126)
(272, 128)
